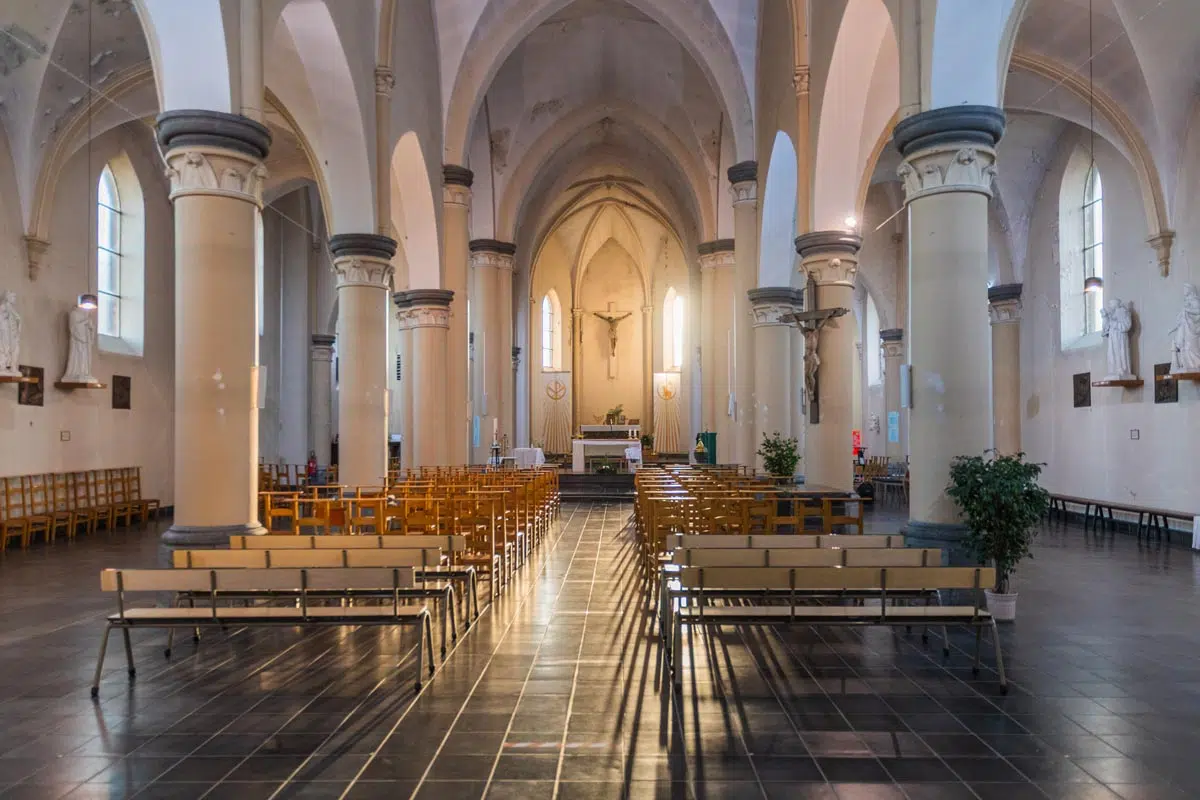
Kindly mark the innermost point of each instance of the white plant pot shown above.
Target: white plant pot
(1003, 607)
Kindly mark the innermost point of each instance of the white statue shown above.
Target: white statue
(10, 335)
(1185, 336)
(81, 325)
(1118, 321)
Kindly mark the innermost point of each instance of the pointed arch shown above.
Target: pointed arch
(776, 251)
(414, 215)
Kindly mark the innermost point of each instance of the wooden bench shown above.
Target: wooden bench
(788, 587)
(299, 586)
(1098, 514)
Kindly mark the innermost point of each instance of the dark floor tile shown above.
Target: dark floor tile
(957, 745)
(1008, 791)
(386, 790)
(800, 791)
(790, 769)
(592, 768)
(266, 768)
(937, 791)
(868, 791)
(984, 770)
(518, 790)
(205, 769)
(918, 770)
(853, 770)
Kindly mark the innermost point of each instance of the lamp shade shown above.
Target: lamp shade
(88, 300)
(1093, 284)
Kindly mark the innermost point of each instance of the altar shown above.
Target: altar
(626, 448)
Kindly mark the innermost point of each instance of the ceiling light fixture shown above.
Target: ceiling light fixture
(851, 222)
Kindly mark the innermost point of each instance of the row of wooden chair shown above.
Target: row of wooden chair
(46, 503)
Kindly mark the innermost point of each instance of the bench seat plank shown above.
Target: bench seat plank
(874, 613)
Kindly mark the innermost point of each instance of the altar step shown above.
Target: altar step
(611, 488)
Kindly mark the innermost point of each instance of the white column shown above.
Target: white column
(428, 321)
(321, 397)
(717, 261)
(647, 422)
(743, 180)
(773, 307)
(891, 341)
(947, 172)
(402, 404)
(1004, 308)
(456, 206)
(214, 163)
(830, 258)
(492, 267)
(708, 286)
(362, 264)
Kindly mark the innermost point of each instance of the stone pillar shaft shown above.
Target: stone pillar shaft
(743, 180)
(321, 397)
(362, 263)
(717, 260)
(492, 265)
(773, 361)
(708, 286)
(427, 317)
(830, 258)
(214, 162)
(456, 205)
(647, 422)
(947, 172)
(892, 343)
(1004, 307)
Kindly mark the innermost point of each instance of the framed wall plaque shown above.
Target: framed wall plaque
(32, 394)
(1165, 391)
(1082, 384)
(122, 392)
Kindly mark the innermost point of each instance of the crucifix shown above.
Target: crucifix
(613, 319)
(811, 323)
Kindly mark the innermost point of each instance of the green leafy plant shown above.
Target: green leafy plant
(647, 441)
(613, 414)
(1002, 502)
(780, 454)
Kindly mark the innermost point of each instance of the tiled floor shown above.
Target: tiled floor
(556, 693)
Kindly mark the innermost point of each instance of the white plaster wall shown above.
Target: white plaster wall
(611, 277)
(1088, 451)
(99, 435)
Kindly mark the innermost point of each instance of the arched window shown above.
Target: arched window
(1081, 251)
(108, 254)
(120, 258)
(551, 332)
(673, 324)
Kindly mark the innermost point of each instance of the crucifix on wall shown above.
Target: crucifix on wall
(811, 323)
(613, 318)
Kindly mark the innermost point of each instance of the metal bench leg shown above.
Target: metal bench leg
(978, 636)
(676, 652)
(429, 641)
(128, 652)
(100, 661)
(452, 604)
(445, 617)
(999, 658)
(421, 628)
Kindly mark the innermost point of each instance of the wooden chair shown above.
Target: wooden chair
(144, 507)
(79, 488)
(40, 502)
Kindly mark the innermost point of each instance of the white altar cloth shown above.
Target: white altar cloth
(609, 446)
(528, 457)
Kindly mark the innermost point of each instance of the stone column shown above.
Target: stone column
(215, 166)
(321, 397)
(576, 366)
(717, 260)
(708, 286)
(403, 403)
(891, 341)
(799, 427)
(1004, 307)
(492, 266)
(456, 205)
(647, 422)
(362, 263)
(428, 320)
(947, 171)
(743, 180)
(830, 258)
(773, 307)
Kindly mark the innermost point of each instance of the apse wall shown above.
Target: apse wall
(31, 437)
(1092, 451)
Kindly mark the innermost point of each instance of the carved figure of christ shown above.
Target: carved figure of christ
(613, 318)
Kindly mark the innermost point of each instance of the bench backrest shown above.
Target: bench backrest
(809, 557)
(254, 579)
(777, 541)
(306, 559)
(837, 578)
(448, 543)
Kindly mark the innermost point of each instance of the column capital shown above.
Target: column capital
(428, 308)
(35, 252)
(322, 347)
(492, 253)
(892, 342)
(647, 309)
(830, 257)
(1004, 303)
(385, 81)
(743, 182)
(774, 305)
(949, 150)
(456, 185)
(363, 259)
(715, 254)
(214, 153)
(801, 79)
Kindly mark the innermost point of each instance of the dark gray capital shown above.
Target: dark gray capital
(200, 128)
(460, 176)
(775, 295)
(429, 297)
(892, 335)
(1006, 291)
(492, 246)
(323, 339)
(715, 246)
(823, 242)
(375, 245)
(978, 125)
(401, 299)
(743, 171)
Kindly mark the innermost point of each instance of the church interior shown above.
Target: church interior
(600, 399)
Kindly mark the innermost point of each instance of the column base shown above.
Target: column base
(951, 539)
(201, 537)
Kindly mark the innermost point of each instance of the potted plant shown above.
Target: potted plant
(612, 416)
(1002, 503)
(780, 456)
(647, 444)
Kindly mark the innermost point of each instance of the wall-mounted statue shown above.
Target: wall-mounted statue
(10, 334)
(1118, 322)
(1185, 336)
(81, 328)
